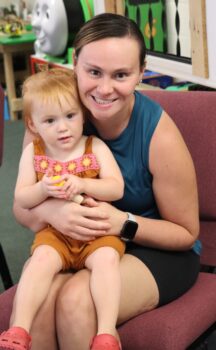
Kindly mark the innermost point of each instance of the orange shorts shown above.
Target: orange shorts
(72, 252)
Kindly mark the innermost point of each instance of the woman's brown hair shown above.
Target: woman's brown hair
(109, 25)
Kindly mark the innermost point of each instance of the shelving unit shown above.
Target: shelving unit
(202, 71)
(177, 70)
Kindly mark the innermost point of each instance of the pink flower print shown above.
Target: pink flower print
(71, 167)
(43, 164)
(86, 162)
(57, 168)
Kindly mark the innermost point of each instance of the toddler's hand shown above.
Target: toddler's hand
(73, 185)
(52, 185)
(58, 177)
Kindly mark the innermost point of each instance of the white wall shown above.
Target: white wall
(30, 4)
(211, 35)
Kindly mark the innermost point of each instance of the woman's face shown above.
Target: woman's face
(107, 73)
(49, 22)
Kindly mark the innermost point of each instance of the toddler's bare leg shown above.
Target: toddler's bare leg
(105, 287)
(43, 330)
(34, 285)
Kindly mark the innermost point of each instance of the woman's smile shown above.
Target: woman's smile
(103, 101)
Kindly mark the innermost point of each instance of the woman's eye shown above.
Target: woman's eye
(121, 75)
(94, 72)
(47, 15)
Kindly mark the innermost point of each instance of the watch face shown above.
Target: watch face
(129, 229)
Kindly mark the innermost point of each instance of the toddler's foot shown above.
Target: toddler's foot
(15, 338)
(105, 342)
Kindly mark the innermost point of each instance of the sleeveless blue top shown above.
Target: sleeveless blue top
(131, 151)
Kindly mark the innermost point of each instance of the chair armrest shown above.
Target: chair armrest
(6, 302)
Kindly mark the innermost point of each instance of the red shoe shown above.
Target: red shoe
(15, 338)
(105, 342)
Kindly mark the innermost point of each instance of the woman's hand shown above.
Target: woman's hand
(78, 221)
(116, 218)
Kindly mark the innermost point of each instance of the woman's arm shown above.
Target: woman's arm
(69, 218)
(31, 218)
(175, 189)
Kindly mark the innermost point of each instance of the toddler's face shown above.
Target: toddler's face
(59, 124)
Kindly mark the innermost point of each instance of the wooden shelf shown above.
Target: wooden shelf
(199, 72)
(177, 70)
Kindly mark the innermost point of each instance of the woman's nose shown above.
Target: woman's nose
(105, 86)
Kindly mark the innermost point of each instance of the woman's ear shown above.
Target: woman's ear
(74, 57)
(142, 71)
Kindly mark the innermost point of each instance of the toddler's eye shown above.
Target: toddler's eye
(70, 116)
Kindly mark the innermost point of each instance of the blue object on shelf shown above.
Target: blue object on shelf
(157, 79)
(6, 109)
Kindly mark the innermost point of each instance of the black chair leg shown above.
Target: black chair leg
(4, 270)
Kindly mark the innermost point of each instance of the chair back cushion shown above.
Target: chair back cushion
(194, 112)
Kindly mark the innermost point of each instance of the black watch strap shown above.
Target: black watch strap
(129, 228)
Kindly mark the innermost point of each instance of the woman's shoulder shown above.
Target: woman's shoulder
(146, 114)
(142, 97)
(146, 105)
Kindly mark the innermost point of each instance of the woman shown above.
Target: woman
(160, 191)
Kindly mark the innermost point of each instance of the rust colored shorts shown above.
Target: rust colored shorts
(73, 252)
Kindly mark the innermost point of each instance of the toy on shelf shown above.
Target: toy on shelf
(56, 22)
(11, 26)
(12, 29)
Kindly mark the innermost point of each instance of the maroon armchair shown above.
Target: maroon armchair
(1, 122)
(179, 324)
(4, 270)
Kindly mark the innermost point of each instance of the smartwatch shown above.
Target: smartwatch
(129, 228)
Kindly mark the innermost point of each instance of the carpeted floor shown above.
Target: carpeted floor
(14, 238)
